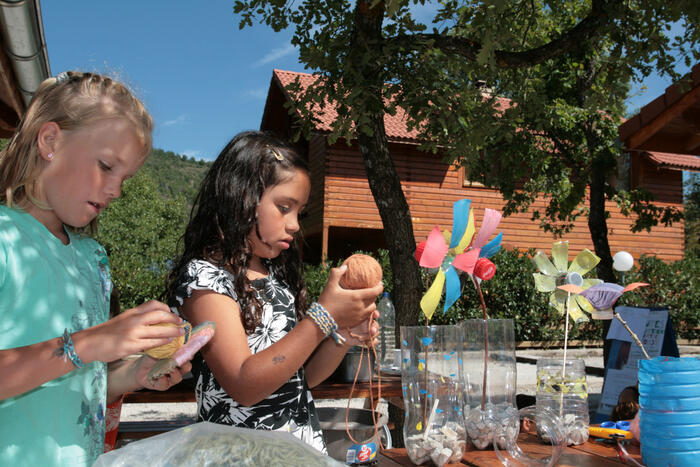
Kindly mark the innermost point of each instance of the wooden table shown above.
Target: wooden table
(184, 391)
(593, 453)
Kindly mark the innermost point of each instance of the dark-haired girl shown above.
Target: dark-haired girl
(240, 268)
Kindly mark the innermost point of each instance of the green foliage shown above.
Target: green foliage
(140, 231)
(674, 285)
(175, 174)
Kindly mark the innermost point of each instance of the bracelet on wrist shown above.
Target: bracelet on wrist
(324, 321)
(69, 350)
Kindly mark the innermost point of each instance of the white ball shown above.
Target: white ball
(622, 261)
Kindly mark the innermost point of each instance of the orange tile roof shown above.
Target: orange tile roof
(395, 125)
(673, 161)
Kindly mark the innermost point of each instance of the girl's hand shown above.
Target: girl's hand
(361, 334)
(348, 307)
(144, 366)
(132, 374)
(128, 333)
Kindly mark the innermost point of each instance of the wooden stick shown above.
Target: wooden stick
(634, 336)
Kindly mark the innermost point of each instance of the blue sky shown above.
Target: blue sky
(202, 79)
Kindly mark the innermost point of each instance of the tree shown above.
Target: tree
(140, 231)
(564, 63)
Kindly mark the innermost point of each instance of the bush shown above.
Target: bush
(511, 294)
(672, 285)
(139, 231)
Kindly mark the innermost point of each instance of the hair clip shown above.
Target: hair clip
(61, 77)
(277, 153)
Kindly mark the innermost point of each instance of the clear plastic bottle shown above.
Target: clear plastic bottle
(565, 394)
(387, 336)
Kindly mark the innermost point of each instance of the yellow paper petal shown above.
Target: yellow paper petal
(421, 367)
(430, 300)
(544, 283)
(468, 234)
(447, 235)
(419, 426)
(584, 304)
(584, 262)
(558, 301)
(560, 255)
(544, 265)
(575, 312)
(590, 283)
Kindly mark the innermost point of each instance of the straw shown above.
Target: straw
(430, 419)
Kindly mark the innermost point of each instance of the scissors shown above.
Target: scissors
(612, 430)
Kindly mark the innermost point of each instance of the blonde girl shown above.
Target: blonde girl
(82, 135)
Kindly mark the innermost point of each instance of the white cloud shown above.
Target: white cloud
(176, 121)
(274, 54)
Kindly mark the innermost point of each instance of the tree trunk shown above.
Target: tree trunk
(383, 180)
(598, 226)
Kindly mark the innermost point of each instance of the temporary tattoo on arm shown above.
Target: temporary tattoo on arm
(59, 352)
(278, 359)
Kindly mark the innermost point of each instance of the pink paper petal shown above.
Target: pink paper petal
(466, 261)
(488, 227)
(435, 249)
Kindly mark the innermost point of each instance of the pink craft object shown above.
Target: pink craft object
(435, 250)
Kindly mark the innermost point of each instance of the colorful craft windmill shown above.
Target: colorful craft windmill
(462, 253)
(550, 276)
(602, 297)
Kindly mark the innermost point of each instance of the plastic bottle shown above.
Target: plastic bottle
(387, 339)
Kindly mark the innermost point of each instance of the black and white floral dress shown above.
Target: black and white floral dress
(291, 407)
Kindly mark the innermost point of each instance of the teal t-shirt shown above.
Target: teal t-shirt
(46, 287)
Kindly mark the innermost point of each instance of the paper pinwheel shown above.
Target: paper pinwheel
(560, 272)
(462, 253)
(603, 296)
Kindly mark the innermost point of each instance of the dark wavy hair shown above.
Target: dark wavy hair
(224, 212)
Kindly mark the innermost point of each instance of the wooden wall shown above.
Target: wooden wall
(430, 187)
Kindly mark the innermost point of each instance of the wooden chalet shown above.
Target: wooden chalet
(342, 216)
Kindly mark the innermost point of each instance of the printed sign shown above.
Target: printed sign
(621, 371)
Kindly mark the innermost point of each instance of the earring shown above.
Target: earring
(49, 156)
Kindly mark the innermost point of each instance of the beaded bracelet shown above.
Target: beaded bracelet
(69, 350)
(325, 321)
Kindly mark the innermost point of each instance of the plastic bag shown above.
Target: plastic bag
(211, 444)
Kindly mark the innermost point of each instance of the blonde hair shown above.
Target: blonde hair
(73, 100)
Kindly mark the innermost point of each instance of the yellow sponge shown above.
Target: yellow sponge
(167, 350)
